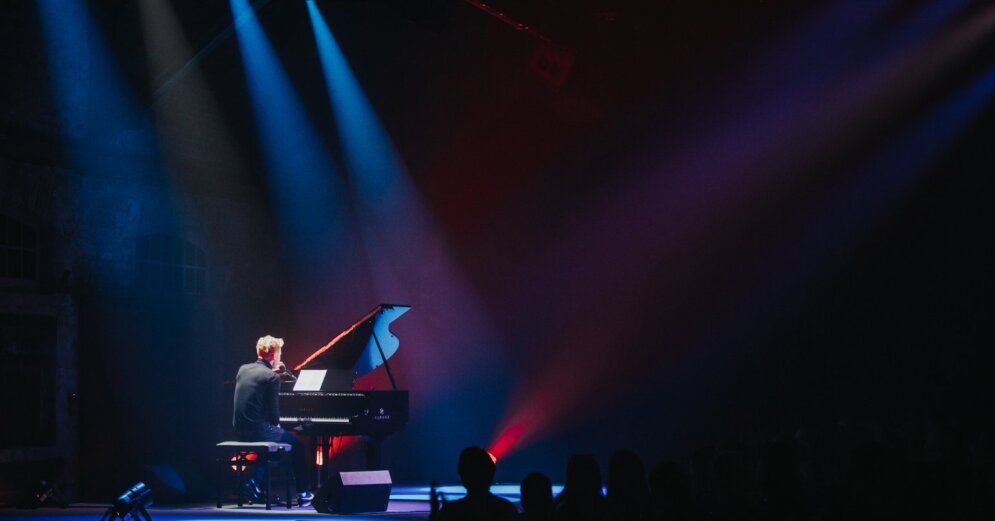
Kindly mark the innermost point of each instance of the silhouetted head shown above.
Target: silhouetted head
(583, 476)
(626, 476)
(476, 469)
(669, 482)
(537, 495)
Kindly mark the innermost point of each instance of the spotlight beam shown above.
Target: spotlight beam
(409, 260)
(318, 245)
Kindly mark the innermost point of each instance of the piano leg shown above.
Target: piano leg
(316, 448)
(373, 452)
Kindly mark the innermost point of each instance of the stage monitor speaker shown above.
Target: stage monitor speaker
(354, 492)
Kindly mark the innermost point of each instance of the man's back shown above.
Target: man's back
(257, 393)
(478, 507)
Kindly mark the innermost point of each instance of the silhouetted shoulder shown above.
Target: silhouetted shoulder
(507, 509)
(480, 508)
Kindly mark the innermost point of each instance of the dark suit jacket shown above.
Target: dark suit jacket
(257, 398)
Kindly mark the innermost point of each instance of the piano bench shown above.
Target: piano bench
(236, 454)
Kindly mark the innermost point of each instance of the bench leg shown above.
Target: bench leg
(287, 465)
(269, 479)
(240, 469)
(219, 470)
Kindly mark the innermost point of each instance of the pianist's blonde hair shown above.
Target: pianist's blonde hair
(266, 345)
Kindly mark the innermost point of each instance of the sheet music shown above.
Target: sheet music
(310, 380)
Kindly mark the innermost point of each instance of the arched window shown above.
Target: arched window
(18, 249)
(171, 264)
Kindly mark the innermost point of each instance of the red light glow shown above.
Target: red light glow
(507, 439)
(249, 456)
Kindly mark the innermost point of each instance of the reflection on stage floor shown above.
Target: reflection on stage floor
(406, 502)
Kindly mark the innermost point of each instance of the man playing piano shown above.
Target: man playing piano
(257, 412)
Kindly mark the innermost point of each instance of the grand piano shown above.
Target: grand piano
(331, 406)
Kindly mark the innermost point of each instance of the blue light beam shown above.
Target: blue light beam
(302, 177)
(96, 111)
(410, 262)
(107, 134)
(369, 153)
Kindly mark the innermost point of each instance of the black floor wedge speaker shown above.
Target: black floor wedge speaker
(354, 492)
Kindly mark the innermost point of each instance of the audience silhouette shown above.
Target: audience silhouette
(476, 470)
(537, 498)
(670, 493)
(849, 470)
(581, 499)
(626, 486)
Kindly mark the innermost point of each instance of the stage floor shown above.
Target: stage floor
(406, 502)
(396, 510)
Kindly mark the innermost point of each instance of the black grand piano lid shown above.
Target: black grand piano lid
(356, 348)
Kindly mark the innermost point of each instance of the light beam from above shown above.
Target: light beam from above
(410, 262)
(303, 182)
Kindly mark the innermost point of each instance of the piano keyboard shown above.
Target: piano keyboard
(325, 420)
